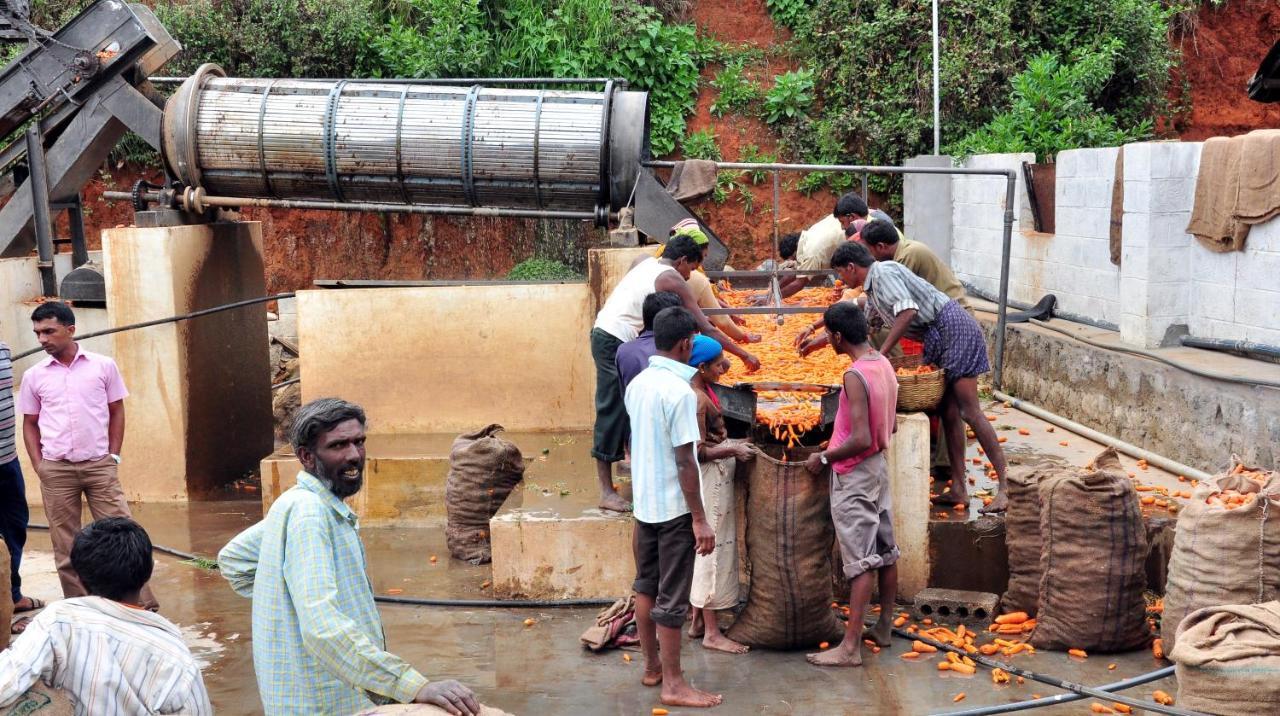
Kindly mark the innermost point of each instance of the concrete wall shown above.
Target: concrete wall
(199, 411)
(919, 221)
(19, 289)
(1167, 282)
(452, 359)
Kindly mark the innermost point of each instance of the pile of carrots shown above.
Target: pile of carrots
(792, 414)
(918, 370)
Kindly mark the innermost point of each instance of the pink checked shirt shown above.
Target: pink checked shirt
(72, 404)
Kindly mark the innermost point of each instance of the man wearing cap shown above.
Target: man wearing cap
(620, 320)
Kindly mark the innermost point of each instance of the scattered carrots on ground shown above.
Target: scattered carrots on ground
(1122, 708)
(959, 697)
(1157, 648)
(1098, 708)
(529, 622)
(1162, 698)
(626, 657)
(660, 712)
(1012, 618)
(1079, 653)
(395, 590)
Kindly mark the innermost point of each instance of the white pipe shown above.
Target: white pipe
(937, 127)
(1159, 461)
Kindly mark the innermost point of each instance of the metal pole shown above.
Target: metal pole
(79, 249)
(42, 219)
(937, 126)
(237, 202)
(866, 179)
(1006, 248)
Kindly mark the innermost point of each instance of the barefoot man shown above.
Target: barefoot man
(620, 320)
(670, 524)
(865, 421)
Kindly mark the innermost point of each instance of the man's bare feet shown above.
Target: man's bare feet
(999, 503)
(716, 641)
(881, 634)
(613, 502)
(696, 627)
(839, 656)
(951, 497)
(651, 678)
(683, 694)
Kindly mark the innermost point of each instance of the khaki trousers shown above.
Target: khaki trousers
(61, 486)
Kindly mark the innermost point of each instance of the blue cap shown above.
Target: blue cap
(705, 350)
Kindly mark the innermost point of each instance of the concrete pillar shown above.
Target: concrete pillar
(909, 478)
(927, 206)
(1155, 264)
(606, 267)
(199, 410)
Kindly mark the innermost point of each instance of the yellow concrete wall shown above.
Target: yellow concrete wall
(452, 359)
(199, 410)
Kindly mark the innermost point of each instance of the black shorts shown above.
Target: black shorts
(664, 555)
(610, 434)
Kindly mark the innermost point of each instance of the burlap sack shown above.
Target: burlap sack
(1228, 660)
(41, 700)
(1022, 537)
(1223, 556)
(789, 538)
(1092, 561)
(483, 470)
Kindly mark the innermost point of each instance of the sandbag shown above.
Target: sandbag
(1223, 556)
(1022, 537)
(789, 538)
(1092, 560)
(1228, 660)
(483, 470)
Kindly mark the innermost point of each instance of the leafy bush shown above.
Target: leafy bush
(790, 97)
(1051, 111)
(701, 145)
(792, 13)
(751, 154)
(735, 90)
(434, 38)
(274, 38)
(538, 269)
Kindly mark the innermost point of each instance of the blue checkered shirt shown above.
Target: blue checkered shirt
(318, 643)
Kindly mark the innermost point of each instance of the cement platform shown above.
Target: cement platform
(542, 669)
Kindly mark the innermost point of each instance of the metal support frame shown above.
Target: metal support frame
(1011, 184)
(75, 218)
(41, 215)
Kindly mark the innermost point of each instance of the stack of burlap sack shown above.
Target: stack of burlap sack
(1077, 555)
(1221, 624)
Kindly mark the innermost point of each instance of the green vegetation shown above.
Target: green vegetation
(539, 269)
(1051, 112)
(792, 13)
(736, 91)
(450, 38)
(872, 59)
(701, 145)
(790, 97)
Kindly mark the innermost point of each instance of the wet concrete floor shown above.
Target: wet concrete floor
(543, 669)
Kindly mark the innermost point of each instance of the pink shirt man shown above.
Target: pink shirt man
(72, 404)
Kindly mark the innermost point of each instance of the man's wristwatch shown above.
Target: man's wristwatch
(116, 458)
(822, 458)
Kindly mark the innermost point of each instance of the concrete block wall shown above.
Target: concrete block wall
(977, 218)
(19, 289)
(1167, 282)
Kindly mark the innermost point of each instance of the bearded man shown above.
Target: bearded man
(318, 643)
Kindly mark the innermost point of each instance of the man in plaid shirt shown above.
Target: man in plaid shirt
(318, 643)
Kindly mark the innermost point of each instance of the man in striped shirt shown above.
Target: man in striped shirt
(106, 651)
(13, 491)
(318, 643)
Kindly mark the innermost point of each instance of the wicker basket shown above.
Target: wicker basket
(918, 392)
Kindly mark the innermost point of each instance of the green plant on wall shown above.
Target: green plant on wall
(790, 97)
(1051, 111)
(540, 269)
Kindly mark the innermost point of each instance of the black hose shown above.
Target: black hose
(171, 319)
(1053, 681)
(417, 601)
(1063, 698)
